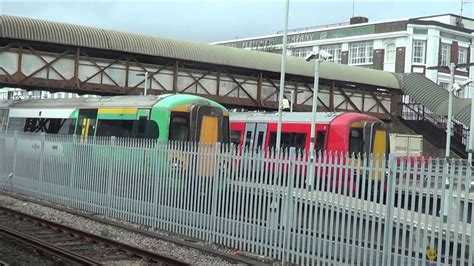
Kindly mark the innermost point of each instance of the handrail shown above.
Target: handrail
(416, 111)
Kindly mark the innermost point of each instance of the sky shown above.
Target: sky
(218, 20)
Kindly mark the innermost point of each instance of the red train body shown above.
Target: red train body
(335, 132)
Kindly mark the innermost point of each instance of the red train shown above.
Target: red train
(335, 132)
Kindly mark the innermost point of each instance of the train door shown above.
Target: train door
(86, 123)
(376, 143)
(255, 135)
(206, 122)
(206, 125)
(249, 135)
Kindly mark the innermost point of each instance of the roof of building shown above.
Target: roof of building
(74, 35)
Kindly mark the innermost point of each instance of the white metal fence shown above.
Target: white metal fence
(359, 209)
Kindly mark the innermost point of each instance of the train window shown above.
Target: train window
(141, 127)
(3, 119)
(248, 138)
(46, 125)
(299, 140)
(16, 124)
(147, 128)
(356, 141)
(117, 128)
(235, 137)
(296, 140)
(260, 139)
(179, 127)
(320, 139)
(152, 130)
(68, 127)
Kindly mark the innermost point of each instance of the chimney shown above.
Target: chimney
(358, 20)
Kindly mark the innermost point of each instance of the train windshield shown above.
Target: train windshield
(356, 141)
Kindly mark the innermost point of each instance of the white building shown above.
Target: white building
(402, 46)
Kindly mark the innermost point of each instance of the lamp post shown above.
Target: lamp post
(451, 89)
(317, 57)
(282, 77)
(146, 79)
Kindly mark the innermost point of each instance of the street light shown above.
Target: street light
(452, 88)
(282, 77)
(146, 79)
(318, 57)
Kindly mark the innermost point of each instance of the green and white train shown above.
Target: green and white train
(179, 117)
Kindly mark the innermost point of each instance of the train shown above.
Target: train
(352, 133)
(168, 117)
(339, 134)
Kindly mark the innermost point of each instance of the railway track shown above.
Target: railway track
(73, 245)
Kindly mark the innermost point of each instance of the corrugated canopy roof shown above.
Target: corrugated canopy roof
(61, 33)
(435, 97)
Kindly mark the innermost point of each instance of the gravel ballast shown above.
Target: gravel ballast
(182, 253)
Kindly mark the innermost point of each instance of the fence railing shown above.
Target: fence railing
(359, 209)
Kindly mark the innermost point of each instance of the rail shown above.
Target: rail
(72, 256)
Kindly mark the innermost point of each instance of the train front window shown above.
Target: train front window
(179, 127)
(356, 141)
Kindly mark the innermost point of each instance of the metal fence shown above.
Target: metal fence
(358, 209)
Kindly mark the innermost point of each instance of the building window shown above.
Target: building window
(418, 52)
(445, 54)
(462, 55)
(301, 52)
(334, 50)
(361, 53)
(390, 53)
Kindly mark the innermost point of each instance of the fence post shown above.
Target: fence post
(15, 147)
(289, 204)
(109, 176)
(41, 168)
(215, 186)
(73, 168)
(388, 230)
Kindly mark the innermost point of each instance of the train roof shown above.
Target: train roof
(292, 117)
(111, 101)
(124, 101)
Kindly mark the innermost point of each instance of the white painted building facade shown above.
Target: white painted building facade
(403, 46)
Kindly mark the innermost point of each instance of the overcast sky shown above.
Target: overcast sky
(217, 20)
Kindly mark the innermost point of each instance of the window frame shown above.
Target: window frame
(445, 55)
(361, 53)
(392, 52)
(422, 50)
